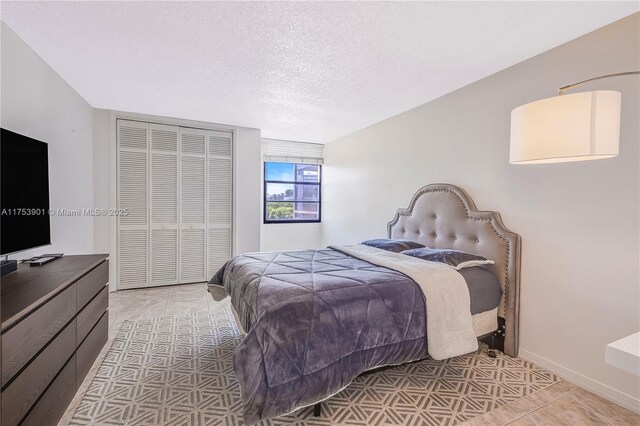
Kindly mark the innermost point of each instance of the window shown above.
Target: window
(291, 192)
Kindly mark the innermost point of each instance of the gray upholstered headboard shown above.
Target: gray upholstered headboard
(444, 216)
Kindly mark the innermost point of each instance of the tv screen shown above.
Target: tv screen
(24, 200)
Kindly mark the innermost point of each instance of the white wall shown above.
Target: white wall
(102, 152)
(579, 221)
(247, 189)
(36, 102)
(291, 236)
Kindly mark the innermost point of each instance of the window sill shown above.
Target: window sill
(279, 222)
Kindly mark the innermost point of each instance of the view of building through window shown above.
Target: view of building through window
(292, 192)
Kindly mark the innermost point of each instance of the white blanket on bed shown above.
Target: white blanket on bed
(449, 324)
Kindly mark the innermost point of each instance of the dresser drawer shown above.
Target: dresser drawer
(51, 407)
(92, 283)
(27, 387)
(91, 313)
(25, 339)
(89, 349)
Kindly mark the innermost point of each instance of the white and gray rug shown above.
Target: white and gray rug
(178, 371)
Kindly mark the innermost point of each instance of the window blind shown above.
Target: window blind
(292, 152)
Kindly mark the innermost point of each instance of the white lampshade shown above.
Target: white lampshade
(575, 127)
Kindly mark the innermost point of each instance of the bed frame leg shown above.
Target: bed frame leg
(492, 352)
(317, 409)
(496, 340)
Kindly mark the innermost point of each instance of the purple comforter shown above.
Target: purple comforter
(316, 319)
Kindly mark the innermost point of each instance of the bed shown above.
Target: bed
(316, 319)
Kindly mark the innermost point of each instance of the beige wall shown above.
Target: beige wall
(579, 221)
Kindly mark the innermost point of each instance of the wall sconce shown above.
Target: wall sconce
(576, 127)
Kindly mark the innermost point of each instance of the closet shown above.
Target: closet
(176, 185)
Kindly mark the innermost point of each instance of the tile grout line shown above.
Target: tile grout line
(541, 406)
(518, 418)
(606, 417)
(166, 302)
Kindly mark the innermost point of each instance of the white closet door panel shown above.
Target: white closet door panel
(219, 249)
(164, 138)
(193, 141)
(164, 256)
(192, 255)
(132, 134)
(192, 190)
(132, 195)
(164, 188)
(219, 183)
(132, 187)
(132, 258)
(219, 143)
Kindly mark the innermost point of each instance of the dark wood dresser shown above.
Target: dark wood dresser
(55, 322)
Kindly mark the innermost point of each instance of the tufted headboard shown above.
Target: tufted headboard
(444, 216)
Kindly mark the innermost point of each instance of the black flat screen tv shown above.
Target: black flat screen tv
(24, 200)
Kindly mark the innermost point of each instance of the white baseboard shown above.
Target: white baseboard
(607, 392)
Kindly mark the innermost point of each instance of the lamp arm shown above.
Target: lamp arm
(617, 74)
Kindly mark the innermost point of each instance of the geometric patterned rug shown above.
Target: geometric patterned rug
(178, 371)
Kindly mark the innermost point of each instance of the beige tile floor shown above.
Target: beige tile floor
(561, 404)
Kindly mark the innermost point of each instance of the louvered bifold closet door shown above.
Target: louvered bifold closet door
(175, 183)
(192, 205)
(219, 189)
(164, 205)
(133, 195)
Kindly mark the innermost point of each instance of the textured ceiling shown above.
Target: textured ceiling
(311, 71)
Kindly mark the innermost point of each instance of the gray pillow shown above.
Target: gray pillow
(456, 258)
(393, 245)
